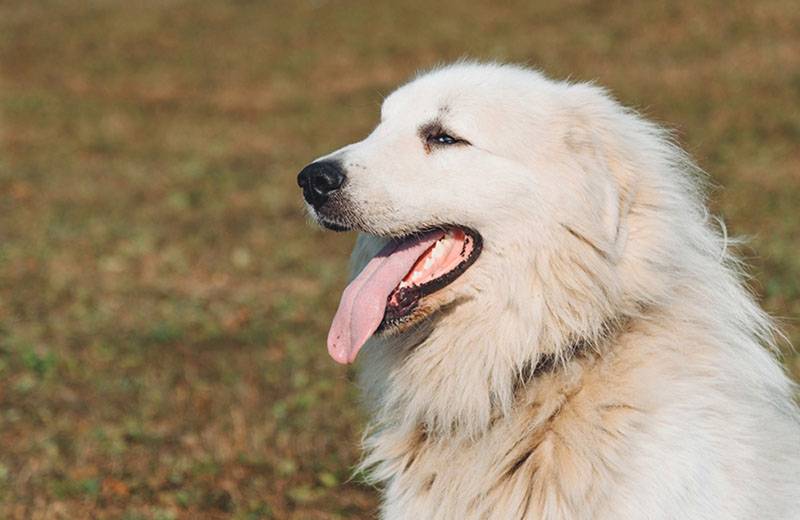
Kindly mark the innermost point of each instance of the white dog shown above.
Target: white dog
(549, 324)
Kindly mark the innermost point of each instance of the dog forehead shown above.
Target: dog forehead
(439, 91)
(417, 100)
(469, 89)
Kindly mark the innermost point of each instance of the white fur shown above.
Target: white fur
(595, 233)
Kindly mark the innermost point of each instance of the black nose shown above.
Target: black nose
(319, 180)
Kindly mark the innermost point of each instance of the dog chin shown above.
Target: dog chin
(398, 326)
(429, 309)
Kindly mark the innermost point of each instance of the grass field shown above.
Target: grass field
(163, 302)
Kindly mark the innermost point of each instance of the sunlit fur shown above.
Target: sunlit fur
(665, 400)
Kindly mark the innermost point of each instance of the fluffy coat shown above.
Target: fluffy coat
(603, 358)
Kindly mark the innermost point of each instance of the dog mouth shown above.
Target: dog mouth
(389, 290)
(436, 268)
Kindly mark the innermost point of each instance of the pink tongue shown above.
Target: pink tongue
(363, 302)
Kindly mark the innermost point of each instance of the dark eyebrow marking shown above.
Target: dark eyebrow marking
(431, 128)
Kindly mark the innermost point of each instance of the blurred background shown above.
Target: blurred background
(164, 303)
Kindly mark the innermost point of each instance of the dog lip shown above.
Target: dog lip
(334, 226)
(409, 297)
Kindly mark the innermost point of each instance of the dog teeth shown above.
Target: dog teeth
(438, 249)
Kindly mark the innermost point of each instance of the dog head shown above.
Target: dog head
(485, 184)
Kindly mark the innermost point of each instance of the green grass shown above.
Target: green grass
(163, 303)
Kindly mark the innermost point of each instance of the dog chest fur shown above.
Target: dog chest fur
(617, 434)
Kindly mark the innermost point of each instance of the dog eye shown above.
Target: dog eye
(442, 139)
(434, 135)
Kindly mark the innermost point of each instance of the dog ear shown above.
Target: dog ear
(608, 184)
